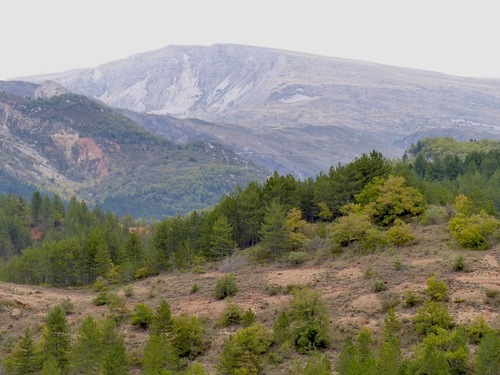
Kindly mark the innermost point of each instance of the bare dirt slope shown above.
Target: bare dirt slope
(346, 284)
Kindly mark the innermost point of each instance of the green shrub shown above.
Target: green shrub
(434, 215)
(459, 264)
(309, 321)
(473, 232)
(355, 228)
(477, 329)
(357, 358)
(398, 265)
(232, 314)
(128, 291)
(400, 234)
(142, 273)
(142, 315)
(67, 306)
(226, 287)
(492, 297)
(488, 355)
(296, 257)
(443, 352)
(195, 369)
(369, 272)
(275, 289)
(373, 240)
(436, 289)
(162, 320)
(187, 336)
(248, 318)
(281, 329)
(194, 288)
(117, 306)
(379, 286)
(411, 299)
(100, 284)
(242, 352)
(102, 298)
(431, 316)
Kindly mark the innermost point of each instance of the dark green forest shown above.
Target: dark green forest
(365, 206)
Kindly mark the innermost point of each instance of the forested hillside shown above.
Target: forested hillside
(385, 216)
(74, 146)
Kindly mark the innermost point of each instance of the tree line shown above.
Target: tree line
(368, 201)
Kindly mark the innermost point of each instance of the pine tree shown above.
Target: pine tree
(346, 363)
(389, 360)
(162, 320)
(102, 261)
(87, 351)
(273, 234)
(36, 204)
(114, 357)
(56, 338)
(159, 355)
(132, 248)
(358, 358)
(433, 361)
(51, 367)
(221, 239)
(25, 359)
(281, 329)
(97, 257)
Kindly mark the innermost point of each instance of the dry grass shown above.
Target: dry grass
(347, 293)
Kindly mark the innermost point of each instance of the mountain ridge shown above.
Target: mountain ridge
(325, 110)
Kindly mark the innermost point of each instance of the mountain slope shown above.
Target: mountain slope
(297, 112)
(345, 285)
(71, 145)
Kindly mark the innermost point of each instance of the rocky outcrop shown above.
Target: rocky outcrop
(48, 89)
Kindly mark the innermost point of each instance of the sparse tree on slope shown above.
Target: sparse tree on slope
(25, 358)
(56, 340)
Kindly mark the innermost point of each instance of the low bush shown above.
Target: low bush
(232, 314)
(411, 299)
(248, 318)
(474, 232)
(436, 289)
(477, 329)
(142, 316)
(379, 286)
(459, 264)
(226, 287)
(431, 316)
(399, 234)
(296, 257)
(242, 353)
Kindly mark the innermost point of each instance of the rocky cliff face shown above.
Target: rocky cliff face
(300, 113)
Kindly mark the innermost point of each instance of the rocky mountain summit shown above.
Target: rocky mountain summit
(290, 111)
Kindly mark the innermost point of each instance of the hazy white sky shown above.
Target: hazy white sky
(458, 37)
